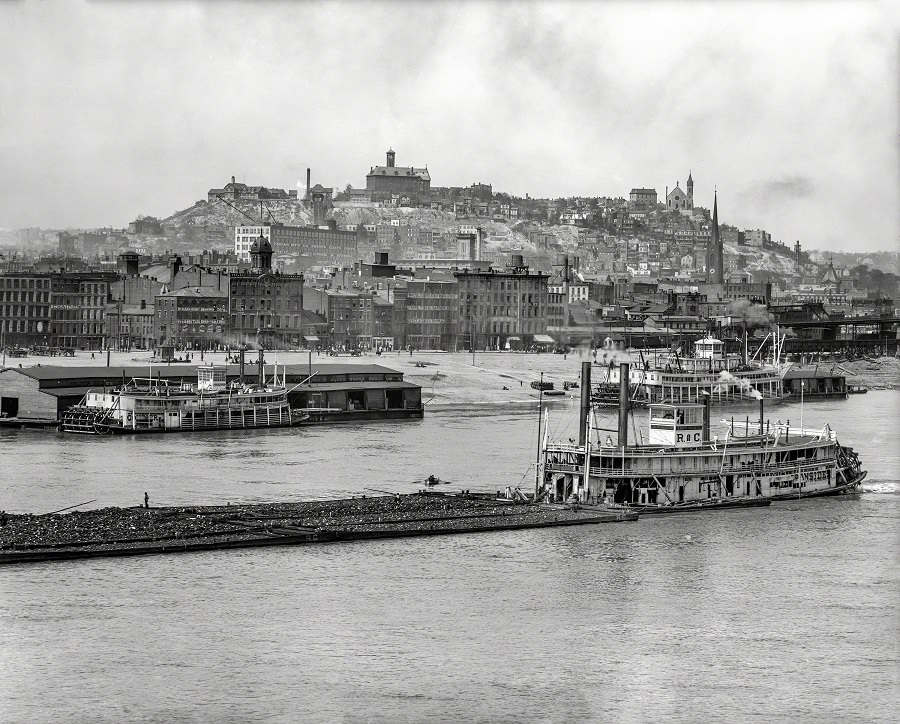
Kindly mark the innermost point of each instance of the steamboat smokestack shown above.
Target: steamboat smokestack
(241, 368)
(760, 416)
(262, 374)
(585, 402)
(705, 433)
(623, 404)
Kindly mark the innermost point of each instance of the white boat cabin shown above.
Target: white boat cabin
(677, 426)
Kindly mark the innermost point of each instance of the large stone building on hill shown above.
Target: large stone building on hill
(236, 191)
(393, 179)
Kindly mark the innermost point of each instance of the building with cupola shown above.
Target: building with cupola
(393, 179)
(265, 307)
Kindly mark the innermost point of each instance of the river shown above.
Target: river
(787, 612)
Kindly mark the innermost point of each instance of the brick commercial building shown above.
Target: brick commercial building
(24, 309)
(191, 318)
(501, 309)
(265, 306)
(430, 314)
(130, 326)
(312, 245)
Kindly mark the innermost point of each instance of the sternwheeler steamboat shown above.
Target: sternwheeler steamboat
(670, 377)
(682, 465)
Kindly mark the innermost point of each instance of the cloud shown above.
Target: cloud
(140, 107)
(779, 190)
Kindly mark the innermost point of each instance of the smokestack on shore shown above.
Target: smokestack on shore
(585, 406)
(623, 404)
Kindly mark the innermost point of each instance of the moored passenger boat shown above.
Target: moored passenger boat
(710, 372)
(157, 405)
(681, 465)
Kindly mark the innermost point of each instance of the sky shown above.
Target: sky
(110, 110)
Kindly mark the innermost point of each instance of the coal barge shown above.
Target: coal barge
(140, 531)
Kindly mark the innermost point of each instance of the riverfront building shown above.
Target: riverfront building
(501, 309)
(265, 307)
(329, 392)
(191, 318)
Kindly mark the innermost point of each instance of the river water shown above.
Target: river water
(787, 612)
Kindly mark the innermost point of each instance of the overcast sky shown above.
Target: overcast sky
(109, 110)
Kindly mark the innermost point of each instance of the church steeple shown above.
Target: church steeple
(715, 254)
(690, 186)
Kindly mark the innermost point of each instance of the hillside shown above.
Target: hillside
(506, 236)
(203, 213)
(754, 259)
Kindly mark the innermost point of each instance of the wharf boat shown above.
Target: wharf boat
(673, 378)
(681, 465)
(146, 405)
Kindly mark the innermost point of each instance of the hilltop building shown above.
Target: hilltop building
(321, 200)
(235, 191)
(680, 201)
(393, 179)
(642, 198)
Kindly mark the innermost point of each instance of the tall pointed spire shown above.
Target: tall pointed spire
(715, 255)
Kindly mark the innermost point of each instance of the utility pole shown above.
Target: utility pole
(537, 464)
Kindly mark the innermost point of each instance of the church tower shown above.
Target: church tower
(715, 255)
(690, 188)
(390, 158)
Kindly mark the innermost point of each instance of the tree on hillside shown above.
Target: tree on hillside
(876, 280)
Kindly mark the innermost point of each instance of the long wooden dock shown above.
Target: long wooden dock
(142, 531)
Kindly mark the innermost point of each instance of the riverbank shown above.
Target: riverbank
(461, 379)
(141, 531)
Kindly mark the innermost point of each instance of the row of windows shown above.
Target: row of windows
(9, 296)
(249, 321)
(244, 304)
(183, 316)
(479, 310)
(16, 283)
(7, 311)
(77, 300)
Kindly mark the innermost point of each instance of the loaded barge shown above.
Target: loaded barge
(141, 531)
